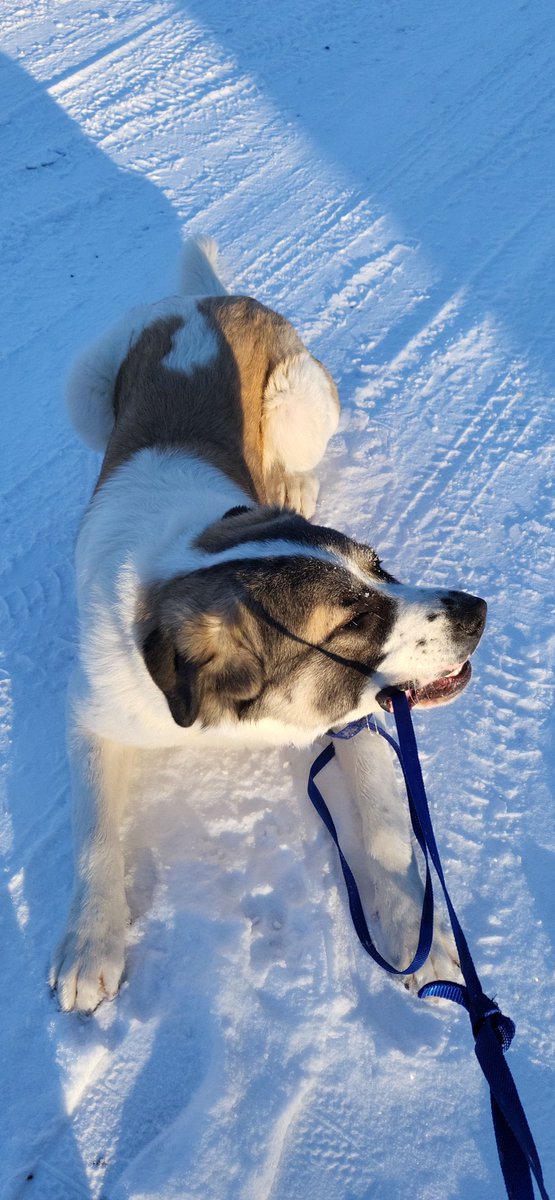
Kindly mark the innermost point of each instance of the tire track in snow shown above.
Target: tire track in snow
(454, 117)
(77, 72)
(448, 464)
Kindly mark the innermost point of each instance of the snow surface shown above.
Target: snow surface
(384, 174)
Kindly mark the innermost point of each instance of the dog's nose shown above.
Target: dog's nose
(468, 613)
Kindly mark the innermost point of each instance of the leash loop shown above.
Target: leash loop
(493, 1031)
(426, 931)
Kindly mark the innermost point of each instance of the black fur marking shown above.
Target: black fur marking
(236, 512)
(277, 523)
(174, 675)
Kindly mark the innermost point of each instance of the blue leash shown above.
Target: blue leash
(493, 1032)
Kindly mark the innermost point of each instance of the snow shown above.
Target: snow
(383, 174)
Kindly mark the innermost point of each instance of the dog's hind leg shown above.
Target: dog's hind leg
(88, 963)
(300, 414)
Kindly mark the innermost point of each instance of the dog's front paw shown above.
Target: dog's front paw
(298, 490)
(302, 493)
(88, 963)
(399, 921)
(442, 962)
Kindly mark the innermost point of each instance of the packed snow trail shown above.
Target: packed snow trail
(384, 175)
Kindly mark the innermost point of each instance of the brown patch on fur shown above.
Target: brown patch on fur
(321, 621)
(202, 647)
(199, 411)
(213, 410)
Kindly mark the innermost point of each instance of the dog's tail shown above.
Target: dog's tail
(198, 268)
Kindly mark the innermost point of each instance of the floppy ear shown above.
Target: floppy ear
(175, 675)
(230, 668)
(235, 672)
(211, 661)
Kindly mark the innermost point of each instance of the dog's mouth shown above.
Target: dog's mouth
(439, 691)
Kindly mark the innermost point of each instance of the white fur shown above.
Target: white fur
(88, 961)
(194, 344)
(298, 490)
(300, 414)
(90, 385)
(140, 528)
(403, 657)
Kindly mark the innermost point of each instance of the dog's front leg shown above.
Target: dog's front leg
(398, 890)
(88, 963)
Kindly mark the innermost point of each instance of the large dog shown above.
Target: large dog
(210, 608)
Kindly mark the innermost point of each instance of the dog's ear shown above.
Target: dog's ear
(174, 674)
(231, 671)
(203, 663)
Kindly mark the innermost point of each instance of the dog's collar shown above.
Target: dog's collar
(354, 727)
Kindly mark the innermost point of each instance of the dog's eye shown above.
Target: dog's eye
(355, 622)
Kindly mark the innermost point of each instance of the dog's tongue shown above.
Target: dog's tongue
(440, 691)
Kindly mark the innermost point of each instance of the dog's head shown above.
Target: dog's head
(299, 624)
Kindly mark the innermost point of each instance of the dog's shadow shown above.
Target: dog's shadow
(82, 240)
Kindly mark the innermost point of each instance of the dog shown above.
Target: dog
(210, 608)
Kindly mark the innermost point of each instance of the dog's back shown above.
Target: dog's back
(212, 373)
